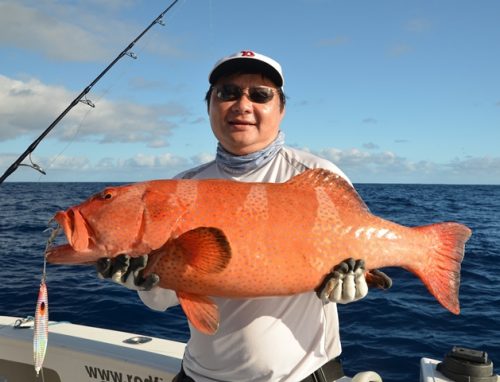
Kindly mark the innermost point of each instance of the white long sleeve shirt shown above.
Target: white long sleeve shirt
(265, 339)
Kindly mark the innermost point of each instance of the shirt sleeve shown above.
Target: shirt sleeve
(158, 298)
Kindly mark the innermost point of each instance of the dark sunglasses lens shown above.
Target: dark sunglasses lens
(229, 93)
(261, 94)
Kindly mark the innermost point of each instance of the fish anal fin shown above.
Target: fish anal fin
(206, 249)
(201, 311)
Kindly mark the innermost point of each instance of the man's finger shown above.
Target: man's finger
(359, 265)
(336, 294)
(138, 263)
(326, 288)
(149, 281)
(119, 268)
(361, 285)
(348, 288)
(378, 279)
(103, 268)
(344, 266)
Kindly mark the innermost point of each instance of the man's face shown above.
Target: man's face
(242, 126)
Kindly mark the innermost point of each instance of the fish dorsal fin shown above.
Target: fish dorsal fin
(206, 249)
(339, 189)
(314, 177)
(201, 311)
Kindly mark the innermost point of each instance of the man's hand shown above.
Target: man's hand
(127, 271)
(347, 283)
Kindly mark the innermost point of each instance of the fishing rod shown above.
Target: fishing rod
(80, 98)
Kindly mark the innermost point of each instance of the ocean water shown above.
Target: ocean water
(388, 331)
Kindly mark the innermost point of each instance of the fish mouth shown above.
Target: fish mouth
(80, 247)
(76, 228)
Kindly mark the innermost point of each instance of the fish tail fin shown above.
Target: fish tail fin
(440, 272)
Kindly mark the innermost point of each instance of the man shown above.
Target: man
(291, 338)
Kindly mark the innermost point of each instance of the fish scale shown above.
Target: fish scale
(231, 239)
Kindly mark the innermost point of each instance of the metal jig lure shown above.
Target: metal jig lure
(41, 328)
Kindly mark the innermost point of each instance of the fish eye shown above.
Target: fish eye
(106, 195)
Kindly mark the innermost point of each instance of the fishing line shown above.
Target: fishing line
(82, 96)
(68, 144)
(92, 105)
(80, 124)
(53, 234)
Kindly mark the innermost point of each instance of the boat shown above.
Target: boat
(79, 353)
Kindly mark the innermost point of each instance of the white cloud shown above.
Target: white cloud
(203, 158)
(345, 158)
(81, 168)
(111, 4)
(165, 160)
(63, 162)
(72, 31)
(473, 165)
(360, 166)
(386, 166)
(28, 107)
(25, 104)
(34, 29)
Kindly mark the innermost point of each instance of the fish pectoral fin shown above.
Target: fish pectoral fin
(201, 311)
(206, 249)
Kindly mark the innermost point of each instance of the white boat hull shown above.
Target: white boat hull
(80, 353)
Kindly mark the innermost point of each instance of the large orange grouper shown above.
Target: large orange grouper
(233, 239)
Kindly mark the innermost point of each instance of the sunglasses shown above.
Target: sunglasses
(257, 94)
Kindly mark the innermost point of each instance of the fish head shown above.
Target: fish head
(109, 223)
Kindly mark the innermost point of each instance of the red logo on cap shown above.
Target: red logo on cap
(247, 53)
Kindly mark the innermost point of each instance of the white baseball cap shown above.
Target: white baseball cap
(247, 60)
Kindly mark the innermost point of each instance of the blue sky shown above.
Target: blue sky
(389, 90)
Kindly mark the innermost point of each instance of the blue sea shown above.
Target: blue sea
(388, 331)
